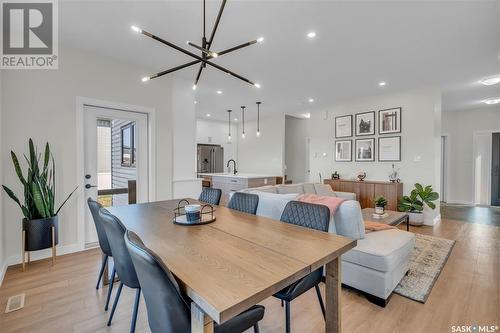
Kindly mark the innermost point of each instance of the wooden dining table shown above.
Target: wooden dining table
(239, 260)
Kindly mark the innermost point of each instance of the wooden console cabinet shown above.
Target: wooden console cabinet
(367, 190)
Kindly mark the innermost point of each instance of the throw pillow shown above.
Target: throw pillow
(349, 220)
(294, 188)
(324, 189)
(271, 205)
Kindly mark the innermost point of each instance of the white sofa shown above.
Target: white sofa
(378, 262)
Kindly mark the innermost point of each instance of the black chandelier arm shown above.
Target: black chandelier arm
(237, 47)
(180, 49)
(216, 25)
(204, 50)
(174, 69)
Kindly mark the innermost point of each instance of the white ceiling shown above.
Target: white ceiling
(448, 44)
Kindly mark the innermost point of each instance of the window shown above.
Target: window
(128, 145)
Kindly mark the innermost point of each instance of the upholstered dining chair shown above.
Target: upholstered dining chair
(210, 195)
(310, 216)
(94, 207)
(244, 202)
(115, 231)
(168, 309)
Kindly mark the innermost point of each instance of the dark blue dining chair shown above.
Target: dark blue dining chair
(310, 216)
(244, 202)
(94, 207)
(210, 195)
(115, 231)
(168, 308)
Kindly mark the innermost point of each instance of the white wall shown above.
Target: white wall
(421, 113)
(460, 127)
(3, 266)
(295, 149)
(41, 104)
(215, 132)
(185, 182)
(264, 154)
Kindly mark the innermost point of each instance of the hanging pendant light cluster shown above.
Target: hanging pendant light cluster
(258, 118)
(229, 124)
(243, 120)
(243, 133)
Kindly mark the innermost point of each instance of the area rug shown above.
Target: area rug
(427, 260)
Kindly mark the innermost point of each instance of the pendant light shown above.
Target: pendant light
(229, 124)
(258, 118)
(243, 120)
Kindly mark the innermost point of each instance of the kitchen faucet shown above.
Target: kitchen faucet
(234, 162)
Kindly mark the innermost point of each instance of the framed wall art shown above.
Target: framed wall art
(343, 126)
(343, 150)
(365, 123)
(389, 149)
(365, 150)
(389, 121)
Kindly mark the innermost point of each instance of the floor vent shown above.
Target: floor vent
(15, 303)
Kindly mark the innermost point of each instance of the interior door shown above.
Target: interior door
(116, 151)
(495, 170)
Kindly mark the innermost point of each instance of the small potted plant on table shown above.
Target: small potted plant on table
(380, 203)
(40, 222)
(414, 203)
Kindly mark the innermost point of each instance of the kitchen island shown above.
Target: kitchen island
(229, 182)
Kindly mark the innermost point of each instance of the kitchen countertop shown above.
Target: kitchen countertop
(238, 175)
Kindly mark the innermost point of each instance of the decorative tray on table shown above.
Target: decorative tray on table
(205, 215)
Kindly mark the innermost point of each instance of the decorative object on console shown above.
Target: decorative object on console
(380, 203)
(365, 123)
(389, 121)
(335, 175)
(393, 176)
(361, 176)
(414, 203)
(343, 126)
(40, 222)
(206, 53)
(343, 151)
(365, 150)
(389, 149)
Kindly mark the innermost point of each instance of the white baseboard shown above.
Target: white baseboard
(44, 254)
(3, 269)
(459, 202)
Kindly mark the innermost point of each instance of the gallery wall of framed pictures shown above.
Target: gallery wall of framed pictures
(364, 124)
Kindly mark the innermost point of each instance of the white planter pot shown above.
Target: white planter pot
(379, 210)
(416, 218)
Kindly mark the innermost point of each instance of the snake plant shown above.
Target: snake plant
(39, 184)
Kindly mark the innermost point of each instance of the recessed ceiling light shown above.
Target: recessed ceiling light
(491, 101)
(195, 102)
(311, 34)
(311, 100)
(146, 78)
(208, 115)
(260, 39)
(382, 84)
(489, 81)
(219, 92)
(235, 119)
(257, 85)
(306, 115)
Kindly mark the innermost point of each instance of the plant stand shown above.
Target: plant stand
(53, 231)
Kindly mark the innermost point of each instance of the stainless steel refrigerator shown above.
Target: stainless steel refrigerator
(210, 158)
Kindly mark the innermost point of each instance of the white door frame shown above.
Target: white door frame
(445, 169)
(474, 136)
(81, 102)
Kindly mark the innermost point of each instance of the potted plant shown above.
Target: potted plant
(380, 203)
(414, 203)
(39, 194)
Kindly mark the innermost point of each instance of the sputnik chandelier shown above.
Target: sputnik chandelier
(206, 53)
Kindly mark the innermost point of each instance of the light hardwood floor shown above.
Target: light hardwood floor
(63, 298)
